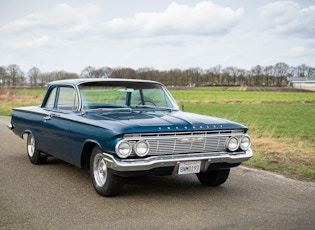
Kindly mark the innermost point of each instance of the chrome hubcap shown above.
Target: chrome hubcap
(31, 147)
(99, 170)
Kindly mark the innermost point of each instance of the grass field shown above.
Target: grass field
(243, 97)
(281, 124)
(10, 98)
(283, 135)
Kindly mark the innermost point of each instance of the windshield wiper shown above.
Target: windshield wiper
(145, 106)
(111, 109)
(152, 107)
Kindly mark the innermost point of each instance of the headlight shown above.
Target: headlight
(123, 149)
(232, 144)
(141, 148)
(245, 143)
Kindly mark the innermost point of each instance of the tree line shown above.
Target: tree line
(258, 75)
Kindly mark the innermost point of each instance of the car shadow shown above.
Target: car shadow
(55, 161)
(173, 185)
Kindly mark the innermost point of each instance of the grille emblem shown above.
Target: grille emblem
(191, 140)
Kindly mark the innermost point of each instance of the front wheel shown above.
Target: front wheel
(33, 152)
(213, 177)
(104, 181)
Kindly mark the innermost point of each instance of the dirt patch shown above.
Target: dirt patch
(288, 156)
(285, 150)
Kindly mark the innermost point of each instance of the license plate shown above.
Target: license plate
(189, 167)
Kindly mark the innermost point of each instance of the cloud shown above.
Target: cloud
(288, 17)
(62, 23)
(205, 18)
(67, 22)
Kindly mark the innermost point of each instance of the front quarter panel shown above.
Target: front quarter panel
(84, 131)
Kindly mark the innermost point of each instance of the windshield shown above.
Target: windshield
(98, 95)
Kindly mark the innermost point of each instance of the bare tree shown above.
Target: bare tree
(257, 73)
(34, 76)
(233, 75)
(269, 74)
(175, 77)
(102, 72)
(216, 74)
(281, 72)
(3, 76)
(304, 71)
(88, 72)
(107, 72)
(15, 74)
(256, 76)
(92, 72)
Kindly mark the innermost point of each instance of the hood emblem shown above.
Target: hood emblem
(191, 140)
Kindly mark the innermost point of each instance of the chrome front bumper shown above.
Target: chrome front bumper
(125, 165)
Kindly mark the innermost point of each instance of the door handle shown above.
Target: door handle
(48, 117)
(54, 115)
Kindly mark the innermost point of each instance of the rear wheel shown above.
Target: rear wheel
(33, 153)
(104, 181)
(213, 177)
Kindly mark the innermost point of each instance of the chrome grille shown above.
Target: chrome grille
(185, 142)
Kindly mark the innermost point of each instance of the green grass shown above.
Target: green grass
(265, 120)
(32, 92)
(11, 98)
(242, 96)
(282, 134)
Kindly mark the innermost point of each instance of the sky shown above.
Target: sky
(71, 35)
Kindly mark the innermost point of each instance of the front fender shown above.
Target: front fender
(86, 152)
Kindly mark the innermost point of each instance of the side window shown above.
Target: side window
(67, 99)
(51, 99)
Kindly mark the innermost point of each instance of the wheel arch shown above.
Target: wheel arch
(86, 153)
(28, 132)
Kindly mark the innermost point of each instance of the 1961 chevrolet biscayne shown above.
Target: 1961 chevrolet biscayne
(118, 128)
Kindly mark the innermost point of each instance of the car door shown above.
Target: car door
(58, 122)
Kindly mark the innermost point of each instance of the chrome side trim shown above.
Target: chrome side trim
(141, 164)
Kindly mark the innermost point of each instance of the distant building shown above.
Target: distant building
(301, 82)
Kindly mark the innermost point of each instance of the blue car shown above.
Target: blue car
(117, 128)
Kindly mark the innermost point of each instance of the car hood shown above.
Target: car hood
(158, 121)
